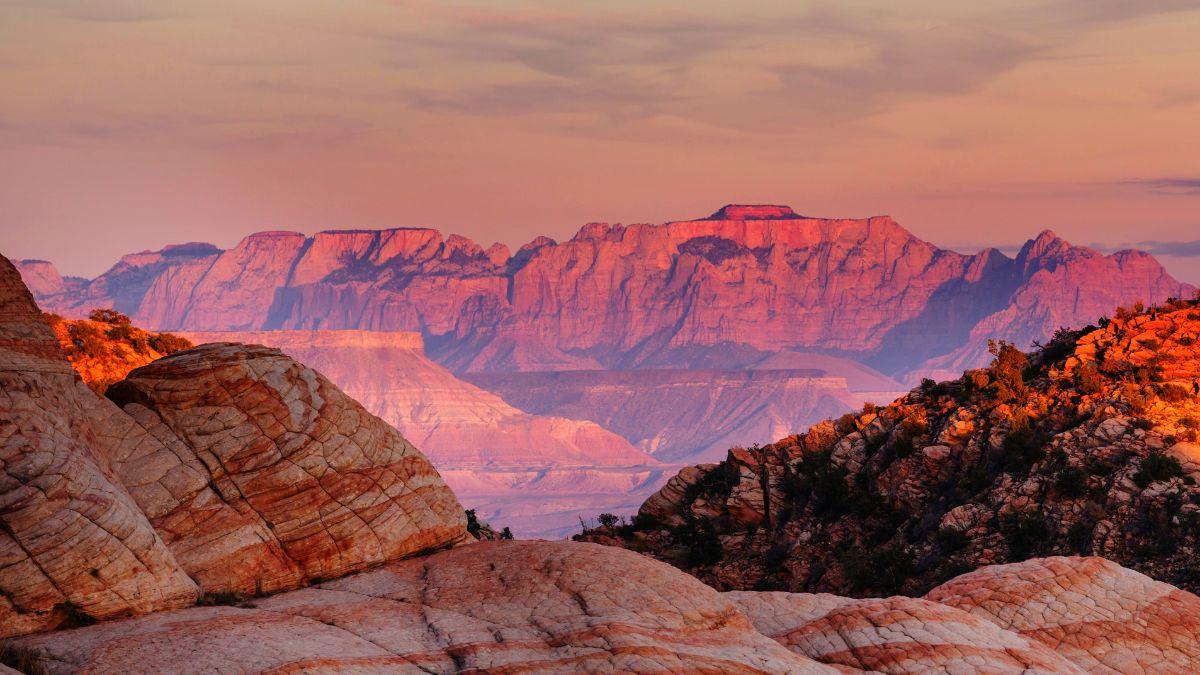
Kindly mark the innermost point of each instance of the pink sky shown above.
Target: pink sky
(130, 124)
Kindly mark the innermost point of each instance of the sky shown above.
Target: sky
(129, 124)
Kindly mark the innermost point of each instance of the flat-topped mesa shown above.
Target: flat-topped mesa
(754, 212)
(316, 339)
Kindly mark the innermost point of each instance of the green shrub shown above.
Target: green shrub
(1027, 534)
(168, 343)
(951, 539)
(1088, 380)
(1071, 482)
(109, 316)
(1157, 467)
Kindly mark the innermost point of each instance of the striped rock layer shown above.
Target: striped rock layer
(231, 470)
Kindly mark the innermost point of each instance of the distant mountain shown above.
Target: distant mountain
(696, 414)
(721, 292)
(536, 474)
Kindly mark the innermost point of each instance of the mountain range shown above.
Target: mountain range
(682, 339)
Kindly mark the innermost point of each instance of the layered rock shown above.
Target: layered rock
(1128, 623)
(1085, 447)
(697, 414)
(536, 474)
(489, 607)
(723, 291)
(896, 635)
(74, 546)
(266, 476)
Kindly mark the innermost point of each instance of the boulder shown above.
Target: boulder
(265, 476)
(74, 546)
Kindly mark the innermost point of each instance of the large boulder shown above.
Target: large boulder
(74, 546)
(1103, 617)
(491, 607)
(264, 476)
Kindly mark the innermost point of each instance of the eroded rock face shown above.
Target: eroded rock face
(74, 547)
(266, 476)
(494, 607)
(895, 635)
(722, 291)
(1101, 616)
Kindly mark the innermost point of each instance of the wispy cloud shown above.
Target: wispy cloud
(1170, 185)
(1176, 249)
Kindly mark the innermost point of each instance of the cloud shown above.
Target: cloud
(1176, 249)
(1168, 185)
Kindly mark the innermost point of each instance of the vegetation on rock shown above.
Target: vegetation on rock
(1085, 446)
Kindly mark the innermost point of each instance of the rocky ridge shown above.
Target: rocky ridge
(1085, 447)
(312, 528)
(719, 292)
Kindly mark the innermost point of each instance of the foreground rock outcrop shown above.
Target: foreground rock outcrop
(268, 476)
(231, 469)
(74, 545)
(565, 606)
(1086, 447)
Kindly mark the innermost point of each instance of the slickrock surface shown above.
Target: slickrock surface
(895, 635)
(268, 476)
(537, 474)
(1087, 447)
(718, 292)
(493, 606)
(1104, 618)
(74, 546)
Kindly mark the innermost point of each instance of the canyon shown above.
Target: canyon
(226, 507)
(1087, 446)
(611, 358)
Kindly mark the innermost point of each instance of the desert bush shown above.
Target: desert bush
(168, 343)
(1157, 467)
(1173, 393)
(109, 316)
(1007, 371)
(1071, 482)
(1027, 534)
(22, 659)
(951, 539)
(1088, 380)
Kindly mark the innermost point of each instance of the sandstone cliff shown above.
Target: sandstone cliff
(723, 292)
(1086, 447)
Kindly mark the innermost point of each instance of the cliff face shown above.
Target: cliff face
(692, 415)
(724, 291)
(1085, 447)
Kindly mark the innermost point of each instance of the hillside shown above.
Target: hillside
(1084, 447)
(106, 346)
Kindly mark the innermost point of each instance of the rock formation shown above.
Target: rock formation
(536, 474)
(1084, 447)
(720, 292)
(232, 465)
(696, 414)
(256, 476)
(74, 546)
